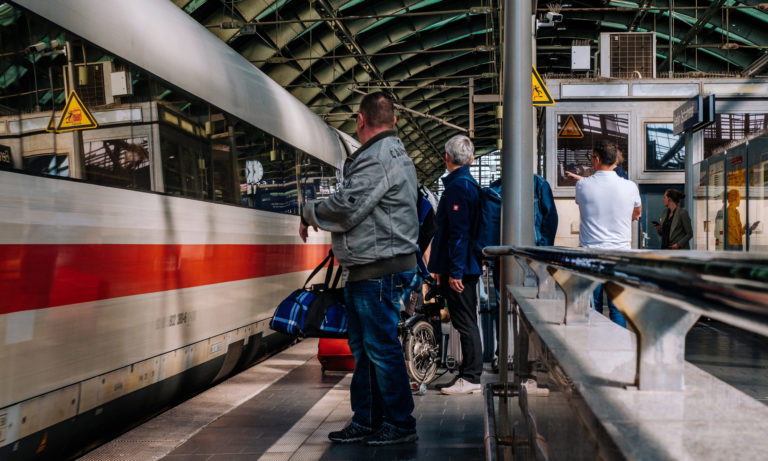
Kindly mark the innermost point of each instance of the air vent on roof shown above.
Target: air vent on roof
(628, 55)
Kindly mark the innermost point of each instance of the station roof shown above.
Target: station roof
(328, 52)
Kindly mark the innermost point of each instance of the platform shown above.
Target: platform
(283, 409)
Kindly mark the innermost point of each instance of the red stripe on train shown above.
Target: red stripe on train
(39, 276)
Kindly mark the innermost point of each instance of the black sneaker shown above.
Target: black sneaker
(391, 435)
(352, 433)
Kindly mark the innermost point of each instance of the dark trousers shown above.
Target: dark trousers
(463, 309)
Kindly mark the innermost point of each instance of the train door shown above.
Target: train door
(652, 198)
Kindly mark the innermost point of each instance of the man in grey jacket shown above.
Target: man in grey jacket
(375, 227)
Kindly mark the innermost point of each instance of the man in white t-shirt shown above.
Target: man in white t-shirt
(607, 204)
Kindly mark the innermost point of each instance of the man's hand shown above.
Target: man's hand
(455, 284)
(437, 278)
(574, 176)
(304, 231)
(674, 246)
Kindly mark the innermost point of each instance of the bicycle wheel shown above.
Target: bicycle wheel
(421, 353)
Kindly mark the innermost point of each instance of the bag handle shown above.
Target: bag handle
(337, 278)
(319, 267)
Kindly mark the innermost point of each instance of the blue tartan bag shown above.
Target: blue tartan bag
(317, 311)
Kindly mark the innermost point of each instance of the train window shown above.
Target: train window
(577, 133)
(664, 151)
(118, 162)
(151, 135)
(223, 159)
(266, 170)
(50, 164)
(731, 127)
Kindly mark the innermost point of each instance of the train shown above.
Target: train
(141, 259)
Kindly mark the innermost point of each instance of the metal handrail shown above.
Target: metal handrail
(730, 287)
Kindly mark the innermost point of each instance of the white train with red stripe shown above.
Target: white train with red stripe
(116, 301)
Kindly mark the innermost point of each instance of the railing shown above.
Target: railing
(661, 295)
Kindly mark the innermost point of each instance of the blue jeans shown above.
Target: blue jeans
(613, 311)
(380, 391)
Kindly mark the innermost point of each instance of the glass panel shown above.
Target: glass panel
(206, 153)
(716, 202)
(736, 211)
(729, 128)
(573, 152)
(50, 164)
(486, 169)
(318, 180)
(186, 155)
(118, 162)
(663, 150)
(224, 159)
(267, 171)
(757, 204)
(703, 228)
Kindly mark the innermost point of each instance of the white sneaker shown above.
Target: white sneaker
(461, 386)
(532, 388)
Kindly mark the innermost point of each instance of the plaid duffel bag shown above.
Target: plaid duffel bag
(317, 311)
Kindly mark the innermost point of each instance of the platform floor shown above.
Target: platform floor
(283, 409)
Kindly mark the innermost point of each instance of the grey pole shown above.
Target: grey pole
(517, 157)
(76, 168)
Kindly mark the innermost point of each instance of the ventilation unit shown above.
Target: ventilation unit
(93, 83)
(628, 55)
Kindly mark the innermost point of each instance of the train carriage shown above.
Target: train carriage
(142, 259)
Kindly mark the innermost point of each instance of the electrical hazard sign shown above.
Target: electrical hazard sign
(75, 115)
(539, 92)
(570, 129)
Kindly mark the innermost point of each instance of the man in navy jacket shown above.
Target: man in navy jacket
(453, 263)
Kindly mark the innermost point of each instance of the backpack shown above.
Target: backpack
(488, 229)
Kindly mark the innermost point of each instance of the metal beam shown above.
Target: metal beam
(702, 21)
(347, 38)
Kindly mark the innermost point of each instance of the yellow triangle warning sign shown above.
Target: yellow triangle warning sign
(570, 129)
(75, 116)
(51, 128)
(539, 92)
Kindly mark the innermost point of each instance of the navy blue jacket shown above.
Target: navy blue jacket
(544, 211)
(458, 218)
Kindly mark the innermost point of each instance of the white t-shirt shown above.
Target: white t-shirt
(606, 202)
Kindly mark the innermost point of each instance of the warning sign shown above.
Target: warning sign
(51, 128)
(75, 115)
(539, 92)
(570, 129)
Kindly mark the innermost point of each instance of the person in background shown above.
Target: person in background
(607, 206)
(736, 230)
(544, 227)
(675, 226)
(453, 263)
(374, 226)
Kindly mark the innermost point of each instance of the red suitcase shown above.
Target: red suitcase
(334, 355)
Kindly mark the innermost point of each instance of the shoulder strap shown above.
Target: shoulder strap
(319, 267)
(472, 181)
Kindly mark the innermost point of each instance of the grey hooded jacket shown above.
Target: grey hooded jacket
(372, 218)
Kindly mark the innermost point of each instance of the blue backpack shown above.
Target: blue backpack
(488, 229)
